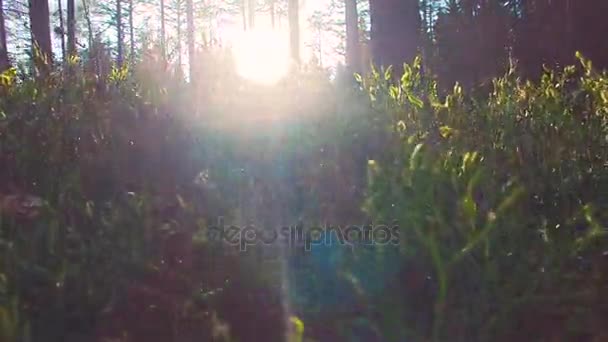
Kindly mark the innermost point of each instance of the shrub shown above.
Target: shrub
(501, 202)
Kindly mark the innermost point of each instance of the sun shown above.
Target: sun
(261, 55)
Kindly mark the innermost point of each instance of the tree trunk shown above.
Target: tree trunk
(190, 37)
(294, 30)
(41, 34)
(320, 42)
(163, 41)
(4, 62)
(272, 14)
(131, 34)
(395, 31)
(251, 4)
(87, 16)
(179, 35)
(71, 28)
(119, 33)
(61, 29)
(468, 8)
(353, 53)
(244, 14)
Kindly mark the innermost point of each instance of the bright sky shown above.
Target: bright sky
(263, 54)
(233, 26)
(260, 53)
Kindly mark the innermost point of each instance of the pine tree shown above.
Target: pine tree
(41, 34)
(4, 61)
(353, 53)
(395, 31)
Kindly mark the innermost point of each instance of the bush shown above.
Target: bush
(502, 205)
(105, 196)
(109, 183)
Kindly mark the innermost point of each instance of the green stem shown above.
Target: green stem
(442, 294)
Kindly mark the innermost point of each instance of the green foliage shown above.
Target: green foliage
(499, 201)
(95, 208)
(109, 182)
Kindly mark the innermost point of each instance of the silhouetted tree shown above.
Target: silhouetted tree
(163, 39)
(471, 45)
(61, 29)
(190, 37)
(395, 31)
(550, 32)
(471, 40)
(71, 28)
(178, 6)
(4, 61)
(41, 34)
(353, 53)
(131, 33)
(119, 33)
(87, 17)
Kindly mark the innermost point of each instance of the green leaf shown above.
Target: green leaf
(394, 92)
(506, 204)
(470, 209)
(445, 131)
(296, 331)
(415, 157)
(467, 160)
(416, 101)
(387, 73)
(401, 126)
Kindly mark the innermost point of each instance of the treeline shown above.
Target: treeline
(475, 38)
(469, 41)
(177, 29)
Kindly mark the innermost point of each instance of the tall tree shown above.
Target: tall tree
(395, 31)
(119, 33)
(163, 40)
(293, 10)
(550, 31)
(190, 37)
(243, 5)
(317, 22)
(131, 33)
(61, 29)
(87, 17)
(41, 33)
(4, 61)
(588, 27)
(178, 13)
(429, 10)
(251, 7)
(71, 28)
(272, 13)
(472, 43)
(473, 39)
(353, 53)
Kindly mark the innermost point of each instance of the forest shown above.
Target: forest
(303, 170)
